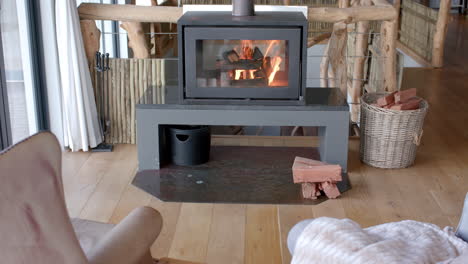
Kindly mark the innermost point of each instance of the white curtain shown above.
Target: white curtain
(81, 127)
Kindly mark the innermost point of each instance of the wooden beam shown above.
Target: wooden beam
(130, 13)
(388, 33)
(440, 33)
(408, 51)
(352, 14)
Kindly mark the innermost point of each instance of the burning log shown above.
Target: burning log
(231, 56)
(249, 82)
(257, 54)
(260, 74)
(242, 65)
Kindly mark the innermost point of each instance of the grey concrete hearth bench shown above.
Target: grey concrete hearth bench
(325, 108)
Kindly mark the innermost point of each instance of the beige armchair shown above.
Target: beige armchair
(34, 223)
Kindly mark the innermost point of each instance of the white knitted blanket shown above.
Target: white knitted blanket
(336, 241)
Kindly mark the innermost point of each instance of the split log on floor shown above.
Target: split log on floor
(362, 41)
(388, 35)
(91, 37)
(136, 39)
(315, 171)
(330, 189)
(310, 190)
(310, 162)
(337, 55)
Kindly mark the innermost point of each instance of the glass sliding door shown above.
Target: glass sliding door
(18, 90)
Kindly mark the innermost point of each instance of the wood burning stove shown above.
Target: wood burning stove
(231, 59)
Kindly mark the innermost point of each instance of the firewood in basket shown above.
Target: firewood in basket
(411, 104)
(231, 56)
(386, 100)
(257, 54)
(405, 95)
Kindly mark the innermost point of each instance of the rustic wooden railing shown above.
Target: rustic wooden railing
(422, 31)
(333, 68)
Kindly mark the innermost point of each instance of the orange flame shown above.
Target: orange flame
(245, 51)
(275, 65)
(272, 42)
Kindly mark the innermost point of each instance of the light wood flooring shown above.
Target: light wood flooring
(97, 185)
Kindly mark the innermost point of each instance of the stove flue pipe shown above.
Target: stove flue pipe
(243, 8)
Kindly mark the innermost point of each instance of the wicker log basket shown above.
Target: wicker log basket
(389, 138)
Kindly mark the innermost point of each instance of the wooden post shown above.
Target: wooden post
(388, 36)
(324, 68)
(440, 32)
(91, 37)
(136, 39)
(337, 55)
(362, 41)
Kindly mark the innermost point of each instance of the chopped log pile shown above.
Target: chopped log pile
(249, 68)
(315, 177)
(402, 100)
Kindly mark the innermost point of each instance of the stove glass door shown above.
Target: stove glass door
(244, 63)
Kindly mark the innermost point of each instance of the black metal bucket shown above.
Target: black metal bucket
(190, 145)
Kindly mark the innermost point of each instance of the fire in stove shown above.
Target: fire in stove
(253, 63)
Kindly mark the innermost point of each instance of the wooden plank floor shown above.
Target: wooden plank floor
(97, 185)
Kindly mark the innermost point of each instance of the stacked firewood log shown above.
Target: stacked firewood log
(402, 100)
(316, 177)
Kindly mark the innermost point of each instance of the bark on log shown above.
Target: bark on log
(337, 55)
(352, 14)
(136, 39)
(130, 13)
(91, 37)
(324, 68)
(343, 3)
(388, 35)
(359, 62)
(440, 33)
